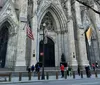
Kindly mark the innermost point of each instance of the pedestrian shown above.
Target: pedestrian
(70, 70)
(88, 73)
(32, 68)
(67, 71)
(62, 70)
(37, 68)
(96, 64)
(29, 69)
(93, 66)
(78, 70)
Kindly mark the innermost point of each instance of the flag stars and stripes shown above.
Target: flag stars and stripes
(29, 32)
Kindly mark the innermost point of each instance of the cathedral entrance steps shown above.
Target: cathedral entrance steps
(51, 68)
(51, 71)
(5, 69)
(45, 68)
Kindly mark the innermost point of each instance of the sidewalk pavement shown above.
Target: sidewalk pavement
(51, 78)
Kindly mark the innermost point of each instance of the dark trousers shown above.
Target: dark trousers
(62, 73)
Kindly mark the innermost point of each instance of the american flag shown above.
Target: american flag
(29, 32)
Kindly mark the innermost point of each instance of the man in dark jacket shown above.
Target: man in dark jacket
(32, 68)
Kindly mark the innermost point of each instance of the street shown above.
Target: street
(61, 82)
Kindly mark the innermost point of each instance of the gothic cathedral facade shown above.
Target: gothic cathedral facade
(63, 23)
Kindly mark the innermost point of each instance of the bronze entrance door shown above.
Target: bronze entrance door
(49, 53)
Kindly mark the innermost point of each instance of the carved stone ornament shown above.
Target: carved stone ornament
(86, 20)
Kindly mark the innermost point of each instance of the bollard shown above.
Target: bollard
(9, 76)
(96, 74)
(47, 75)
(29, 76)
(81, 74)
(57, 75)
(20, 76)
(65, 74)
(73, 74)
(38, 75)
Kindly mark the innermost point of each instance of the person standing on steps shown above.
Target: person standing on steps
(78, 70)
(96, 64)
(32, 68)
(62, 70)
(93, 66)
(29, 69)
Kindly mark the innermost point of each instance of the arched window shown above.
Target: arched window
(49, 21)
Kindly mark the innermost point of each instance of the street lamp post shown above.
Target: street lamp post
(43, 76)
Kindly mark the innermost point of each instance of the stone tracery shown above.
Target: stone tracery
(49, 21)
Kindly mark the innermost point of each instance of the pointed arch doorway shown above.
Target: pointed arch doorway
(49, 52)
(4, 33)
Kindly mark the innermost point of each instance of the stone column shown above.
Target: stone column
(59, 47)
(21, 46)
(72, 52)
(35, 43)
(96, 22)
(62, 42)
(56, 52)
(11, 49)
(81, 37)
(23, 10)
(66, 43)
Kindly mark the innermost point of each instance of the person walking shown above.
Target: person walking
(38, 68)
(79, 70)
(96, 64)
(62, 70)
(29, 69)
(70, 71)
(88, 72)
(93, 66)
(32, 68)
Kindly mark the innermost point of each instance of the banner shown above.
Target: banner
(89, 35)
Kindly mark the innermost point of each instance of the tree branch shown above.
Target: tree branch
(88, 6)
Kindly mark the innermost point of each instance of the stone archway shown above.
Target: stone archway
(49, 53)
(55, 23)
(4, 34)
(10, 29)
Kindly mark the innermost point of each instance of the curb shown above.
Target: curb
(32, 81)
